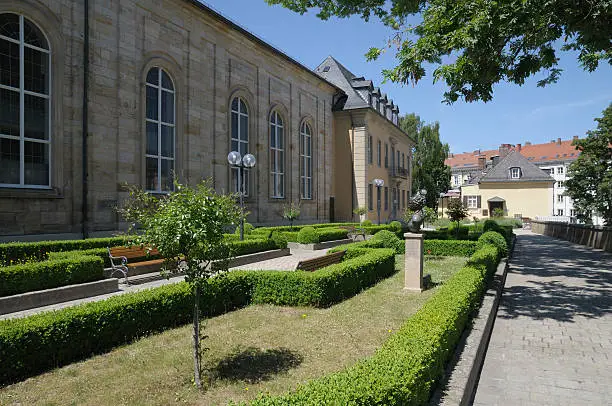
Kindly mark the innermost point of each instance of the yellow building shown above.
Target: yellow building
(368, 145)
(513, 185)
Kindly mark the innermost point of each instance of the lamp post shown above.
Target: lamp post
(379, 183)
(241, 163)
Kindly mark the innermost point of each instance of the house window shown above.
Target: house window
(397, 161)
(403, 161)
(560, 184)
(240, 140)
(456, 180)
(277, 155)
(393, 159)
(378, 152)
(560, 170)
(573, 213)
(515, 173)
(386, 198)
(559, 198)
(160, 127)
(370, 150)
(559, 212)
(25, 103)
(306, 161)
(386, 155)
(403, 199)
(370, 198)
(472, 202)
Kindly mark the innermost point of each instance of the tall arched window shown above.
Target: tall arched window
(160, 127)
(25, 103)
(277, 155)
(306, 161)
(240, 139)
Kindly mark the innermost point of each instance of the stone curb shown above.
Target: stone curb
(31, 300)
(258, 257)
(458, 387)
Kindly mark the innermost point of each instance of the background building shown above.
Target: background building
(152, 89)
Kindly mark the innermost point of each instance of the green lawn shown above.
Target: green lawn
(252, 350)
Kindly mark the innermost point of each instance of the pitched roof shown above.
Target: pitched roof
(333, 71)
(537, 153)
(501, 171)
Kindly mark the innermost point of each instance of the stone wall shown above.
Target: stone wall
(591, 236)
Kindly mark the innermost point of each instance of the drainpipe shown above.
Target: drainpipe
(84, 159)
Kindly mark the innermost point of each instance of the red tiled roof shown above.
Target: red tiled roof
(551, 151)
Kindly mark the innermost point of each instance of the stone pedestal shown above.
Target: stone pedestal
(413, 262)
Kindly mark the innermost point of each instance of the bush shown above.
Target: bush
(449, 248)
(491, 225)
(496, 239)
(390, 240)
(252, 246)
(32, 276)
(366, 223)
(331, 234)
(279, 239)
(47, 340)
(308, 235)
(248, 229)
(405, 370)
(395, 226)
(20, 252)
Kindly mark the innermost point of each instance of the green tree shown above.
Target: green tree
(474, 44)
(429, 171)
(590, 175)
(291, 212)
(187, 229)
(456, 212)
(360, 212)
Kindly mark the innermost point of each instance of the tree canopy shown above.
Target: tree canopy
(590, 175)
(428, 169)
(474, 44)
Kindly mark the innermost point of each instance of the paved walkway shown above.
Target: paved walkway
(552, 338)
(286, 263)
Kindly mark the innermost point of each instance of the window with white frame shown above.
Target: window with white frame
(25, 104)
(515, 173)
(472, 202)
(277, 155)
(559, 198)
(559, 212)
(160, 126)
(456, 180)
(306, 161)
(378, 152)
(560, 170)
(240, 140)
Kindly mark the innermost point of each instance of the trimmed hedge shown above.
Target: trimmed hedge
(252, 246)
(496, 239)
(456, 248)
(308, 235)
(332, 234)
(389, 239)
(405, 370)
(34, 344)
(19, 252)
(74, 268)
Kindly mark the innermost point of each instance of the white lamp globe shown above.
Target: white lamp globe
(248, 161)
(234, 158)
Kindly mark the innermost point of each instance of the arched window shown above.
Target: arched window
(160, 127)
(306, 161)
(240, 139)
(277, 155)
(25, 103)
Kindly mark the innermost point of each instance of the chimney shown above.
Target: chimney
(558, 141)
(482, 161)
(504, 149)
(494, 160)
(527, 143)
(575, 137)
(518, 147)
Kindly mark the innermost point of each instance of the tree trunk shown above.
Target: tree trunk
(196, 338)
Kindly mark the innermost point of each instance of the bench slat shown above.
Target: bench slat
(321, 262)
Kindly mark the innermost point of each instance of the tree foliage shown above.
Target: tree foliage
(474, 44)
(187, 228)
(429, 171)
(590, 175)
(456, 212)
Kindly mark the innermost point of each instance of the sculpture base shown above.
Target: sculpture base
(413, 262)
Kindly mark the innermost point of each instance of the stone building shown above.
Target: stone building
(134, 91)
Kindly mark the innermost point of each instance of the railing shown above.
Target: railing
(591, 236)
(398, 172)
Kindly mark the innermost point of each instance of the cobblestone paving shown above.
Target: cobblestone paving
(552, 339)
(287, 263)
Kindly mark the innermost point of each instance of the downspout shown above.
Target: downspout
(85, 129)
(353, 184)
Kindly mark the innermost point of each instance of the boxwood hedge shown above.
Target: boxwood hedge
(31, 276)
(47, 340)
(430, 247)
(405, 370)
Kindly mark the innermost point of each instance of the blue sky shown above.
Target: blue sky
(516, 114)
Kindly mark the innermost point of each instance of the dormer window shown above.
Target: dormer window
(515, 173)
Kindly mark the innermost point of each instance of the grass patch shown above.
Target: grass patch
(260, 348)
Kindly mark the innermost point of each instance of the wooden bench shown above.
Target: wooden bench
(354, 232)
(135, 253)
(320, 262)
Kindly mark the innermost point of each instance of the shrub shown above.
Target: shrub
(31, 276)
(279, 239)
(491, 225)
(331, 234)
(366, 223)
(449, 248)
(436, 235)
(19, 252)
(390, 240)
(405, 370)
(395, 226)
(251, 246)
(308, 235)
(47, 340)
(496, 239)
(248, 229)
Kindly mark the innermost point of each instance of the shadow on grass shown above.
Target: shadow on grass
(254, 365)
